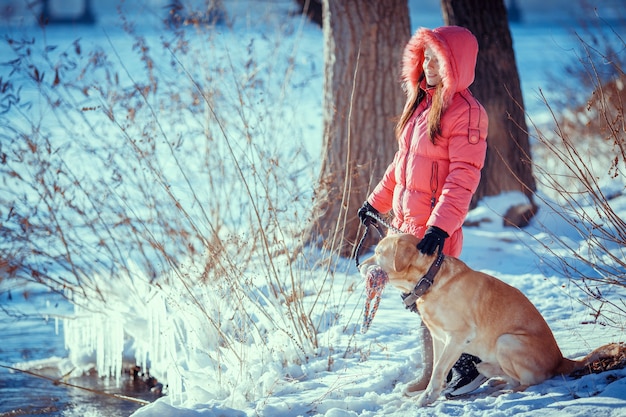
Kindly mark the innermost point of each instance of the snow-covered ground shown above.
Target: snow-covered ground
(271, 372)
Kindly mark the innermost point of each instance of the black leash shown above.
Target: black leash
(381, 233)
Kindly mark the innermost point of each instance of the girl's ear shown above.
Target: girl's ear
(405, 251)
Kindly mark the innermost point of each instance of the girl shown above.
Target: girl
(441, 135)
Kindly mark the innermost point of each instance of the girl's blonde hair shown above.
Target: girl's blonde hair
(414, 97)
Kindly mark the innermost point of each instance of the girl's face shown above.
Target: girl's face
(431, 67)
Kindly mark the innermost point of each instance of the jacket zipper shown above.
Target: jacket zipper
(434, 179)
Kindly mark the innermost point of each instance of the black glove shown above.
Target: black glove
(433, 238)
(365, 219)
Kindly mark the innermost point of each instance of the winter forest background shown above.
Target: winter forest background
(156, 179)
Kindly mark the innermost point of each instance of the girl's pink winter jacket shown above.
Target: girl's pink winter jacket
(430, 184)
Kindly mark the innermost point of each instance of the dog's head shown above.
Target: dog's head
(398, 256)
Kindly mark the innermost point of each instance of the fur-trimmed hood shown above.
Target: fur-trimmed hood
(456, 48)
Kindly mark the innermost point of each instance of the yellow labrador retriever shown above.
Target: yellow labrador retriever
(472, 312)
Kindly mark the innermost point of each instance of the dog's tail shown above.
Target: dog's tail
(616, 352)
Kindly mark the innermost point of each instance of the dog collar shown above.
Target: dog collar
(423, 284)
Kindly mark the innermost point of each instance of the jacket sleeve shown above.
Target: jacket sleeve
(467, 148)
(381, 198)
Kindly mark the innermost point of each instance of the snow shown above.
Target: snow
(250, 357)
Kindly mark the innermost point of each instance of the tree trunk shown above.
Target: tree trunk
(497, 86)
(363, 43)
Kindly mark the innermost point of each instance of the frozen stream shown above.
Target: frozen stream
(31, 336)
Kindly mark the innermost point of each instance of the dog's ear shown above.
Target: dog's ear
(404, 254)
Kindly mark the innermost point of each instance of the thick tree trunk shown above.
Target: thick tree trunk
(363, 43)
(497, 86)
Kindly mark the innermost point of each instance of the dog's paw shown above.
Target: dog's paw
(426, 399)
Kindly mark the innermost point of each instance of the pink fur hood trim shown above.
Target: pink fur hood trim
(456, 48)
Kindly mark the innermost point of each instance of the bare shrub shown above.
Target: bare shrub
(162, 179)
(580, 164)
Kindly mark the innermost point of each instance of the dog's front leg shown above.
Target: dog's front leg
(444, 359)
